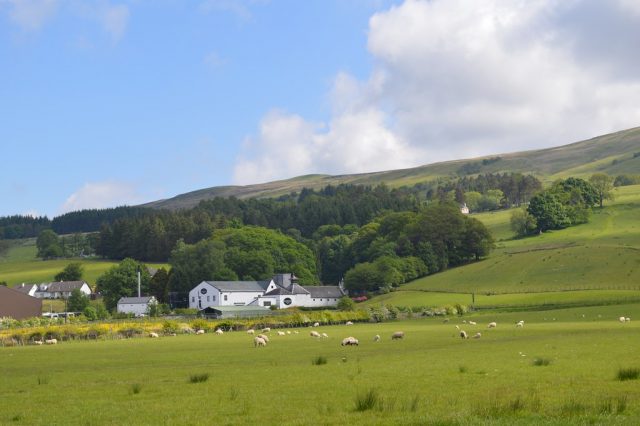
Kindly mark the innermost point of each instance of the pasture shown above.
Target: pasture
(430, 377)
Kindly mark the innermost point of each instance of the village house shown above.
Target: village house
(29, 289)
(138, 306)
(281, 291)
(58, 289)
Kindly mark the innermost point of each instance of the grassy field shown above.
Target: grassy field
(430, 377)
(18, 264)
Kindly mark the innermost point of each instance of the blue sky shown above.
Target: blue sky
(107, 102)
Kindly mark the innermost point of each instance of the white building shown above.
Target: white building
(281, 291)
(136, 305)
(61, 289)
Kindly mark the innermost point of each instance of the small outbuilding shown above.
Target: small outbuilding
(18, 305)
(224, 312)
(137, 306)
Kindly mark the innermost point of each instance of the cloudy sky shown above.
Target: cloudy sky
(106, 102)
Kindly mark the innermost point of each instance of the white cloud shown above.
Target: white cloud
(30, 15)
(114, 20)
(97, 195)
(459, 78)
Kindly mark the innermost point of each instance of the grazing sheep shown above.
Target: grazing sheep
(520, 324)
(201, 331)
(376, 338)
(316, 324)
(348, 323)
(457, 327)
(259, 341)
(281, 333)
(472, 323)
(627, 319)
(463, 334)
(38, 342)
(349, 341)
(154, 335)
(288, 332)
(492, 325)
(464, 321)
(325, 335)
(314, 334)
(266, 330)
(51, 341)
(622, 319)
(296, 332)
(477, 335)
(397, 335)
(219, 331)
(251, 331)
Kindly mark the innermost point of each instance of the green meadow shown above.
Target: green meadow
(560, 368)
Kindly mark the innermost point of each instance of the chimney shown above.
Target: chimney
(138, 282)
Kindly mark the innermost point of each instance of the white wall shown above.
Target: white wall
(239, 298)
(130, 308)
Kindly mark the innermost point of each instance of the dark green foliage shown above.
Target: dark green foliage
(367, 400)
(319, 360)
(72, 272)
(15, 227)
(159, 285)
(91, 220)
(346, 304)
(625, 180)
(136, 388)
(48, 245)
(548, 211)
(522, 222)
(516, 188)
(90, 313)
(628, 374)
(78, 301)
(541, 362)
(199, 378)
(122, 281)
(603, 184)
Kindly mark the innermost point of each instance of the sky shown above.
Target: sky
(106, 103)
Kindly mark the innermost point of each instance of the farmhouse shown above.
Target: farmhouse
(29, 289)
(137, 306)
(61, 289)
(17, 305)
(281, 291)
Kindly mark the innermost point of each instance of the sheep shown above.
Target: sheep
(288, 332)
(296, 332)
(464, 321)
(281, 333)
(316, 324)
(349, 341)
(201, 331)
(397, 335)
(520, 324)
(463, 334)
(627, 319)
(263, 337)
(37, 342)
(457, 327)
(325, 335)
(219, 331)
(472, 323)
(492, 325)
(266, 330)
(622, 319)
(51, 341)
(259, 341)
(153, 335)
(477, 335)
(251, 331)
(376, 338)
(348, 323)
(314, 334)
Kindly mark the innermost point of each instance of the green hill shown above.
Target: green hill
(598, 261)
(612, 154)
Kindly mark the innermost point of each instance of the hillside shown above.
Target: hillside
(590, 263)
(612, 154)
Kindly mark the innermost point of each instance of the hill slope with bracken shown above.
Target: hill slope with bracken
(612, 154)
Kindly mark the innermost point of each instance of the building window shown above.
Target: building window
(207, 298)
(214, 297)
(193, 299)
(266, 303)
(225, 297)
(314, 300)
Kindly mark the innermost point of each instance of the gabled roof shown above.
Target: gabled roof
(24, 288)
(144, 300)
(322, 291)
(65, 286)
(239, 286)
(294, 289)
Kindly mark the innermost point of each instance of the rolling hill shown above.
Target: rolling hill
(612, 154)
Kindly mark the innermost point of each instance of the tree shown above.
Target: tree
(72, 272)
(122, 281)
(548, 211)
(90, 313)
(603, 184)
(77, 301)
(346, 304)
(159, 286)
(522, 222)
(48, 245)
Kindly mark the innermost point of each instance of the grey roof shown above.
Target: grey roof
(136, 300)
(240, 286)
(24, 288)
(294, 289)
(328, 291)
(64, 286)
(285, 280)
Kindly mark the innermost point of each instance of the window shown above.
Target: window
(314, 300)
(207, 298)
(266, 303)
(193, 299)
(214, 297)
(225, 298)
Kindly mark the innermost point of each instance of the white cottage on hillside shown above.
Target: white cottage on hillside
(281, 291)
(136, 305)
(61, 289)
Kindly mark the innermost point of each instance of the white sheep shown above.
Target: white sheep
(259, 341)
(325, 335)
(51, 341)
(457, 327)
(492, 325)
(288, 332)
(472, 323)
(201, 331)
(296, 332)
(266, 330)
(397, 335)
(38, 342)
(314, 334)
(463, 334)
(464, 321)
(376, 338)
(219, 331)
(251, 331)
(348, 323)
(622, 319)
(477, 335)
(153, 335)
(281, 333)
(349, 341)
(263, 337)
(316, 324)
(627, 319)
(520, 324)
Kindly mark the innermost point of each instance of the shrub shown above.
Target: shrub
(199, 378)
(538, 362)
(319, 360)
(367, 401)
(628, 374)
(90, 313)
(136, 388)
